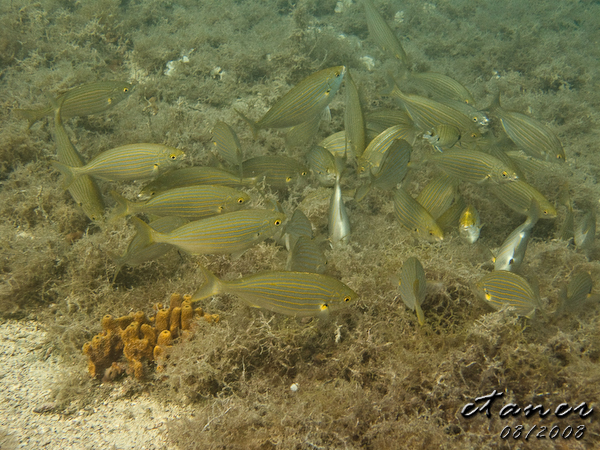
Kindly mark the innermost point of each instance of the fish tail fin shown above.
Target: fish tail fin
(146, 233)
(67, 171)
(212, 286)
(122, 209)
(119, 263)
(252, 124)
(420, 315)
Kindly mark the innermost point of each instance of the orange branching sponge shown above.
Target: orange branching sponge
(139, 338)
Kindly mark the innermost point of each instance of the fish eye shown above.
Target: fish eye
(504, 173)
(288, 179)
(303, 174)
(337, 74)
(473, 135)
(125, 90)
(559, 156)
(545, 212)
(475, 119)
(240, 200)
(173, 156)
(277, 222)
(347, 299)
(324, 306)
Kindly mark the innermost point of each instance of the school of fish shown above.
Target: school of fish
(205, 210)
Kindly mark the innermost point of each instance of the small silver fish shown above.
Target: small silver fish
(469, 224)
(512, 251)
(339, 224)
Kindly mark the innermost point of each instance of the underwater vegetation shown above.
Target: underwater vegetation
(411, 150)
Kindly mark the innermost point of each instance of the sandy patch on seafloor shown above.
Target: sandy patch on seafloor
(26, 381)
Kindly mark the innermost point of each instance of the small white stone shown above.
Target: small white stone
(294, 387)
(368, 62)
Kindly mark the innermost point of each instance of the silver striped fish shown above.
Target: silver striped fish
(227, 145)
(84, 190)
(529, 134)
(474, 166)
(84, 100)
(303, 102)
(232, 233)
(290, 293)
(500, 288)
(414, 217)
(518, 195)
(129, 162)
(354, 121)
(191, 202)
(413, 286)
(382, 34)
(191, 176)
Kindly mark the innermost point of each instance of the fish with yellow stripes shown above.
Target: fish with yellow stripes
(227, 234)
(128, 162)
(382, 34)
(414, 217)
(191, 202)
(84, 100)
(529, 134)
(501, 288)
(290, 293)
(413, 286)
(84, 190)
(303, 102)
